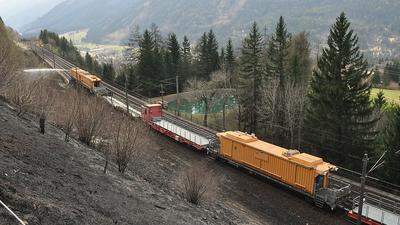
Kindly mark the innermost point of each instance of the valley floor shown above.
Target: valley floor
(48, 181)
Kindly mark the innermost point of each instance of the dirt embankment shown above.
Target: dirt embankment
(47, 181)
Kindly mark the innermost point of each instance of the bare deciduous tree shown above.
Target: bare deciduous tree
(292, 104)
(222, 81)
(90, 115)
(9, 60)
(197, 182)
(127, 139)
(43, 99)
(294, 96)
(21, 91)
(207, 92)
(268, 106)
(66, 111)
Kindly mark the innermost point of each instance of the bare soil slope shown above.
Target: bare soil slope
(47, 181)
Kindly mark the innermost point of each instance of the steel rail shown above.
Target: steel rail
(137, 102)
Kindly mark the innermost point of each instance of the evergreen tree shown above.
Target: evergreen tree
(44, 37)
(89, 63)
(277, 68)
(278, 52)
(186, 63)
(147, 63)
(230, 61)
(392, 72)
(340, 109)
(208, 57)
(376, 78)
(391, 142)
(212, 49)
(108, 72)
(380, 100)
(174, 56)
(222, 58)
(203, 55)
(251, 76)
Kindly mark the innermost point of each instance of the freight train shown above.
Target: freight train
(304, 173)
(89, 81)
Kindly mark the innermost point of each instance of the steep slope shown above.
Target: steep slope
(109, 20)
(47, 181)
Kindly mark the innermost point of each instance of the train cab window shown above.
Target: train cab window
(319, 182)
(96, 84)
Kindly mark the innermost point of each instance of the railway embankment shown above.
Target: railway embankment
(47, 181)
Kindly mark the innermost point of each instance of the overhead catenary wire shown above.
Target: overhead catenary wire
(70, 65)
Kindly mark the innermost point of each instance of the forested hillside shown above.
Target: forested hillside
(109, 21)
(279, 94)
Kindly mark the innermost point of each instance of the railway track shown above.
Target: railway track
(137, 102)
(134, 100)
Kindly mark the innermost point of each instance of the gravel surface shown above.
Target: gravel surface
(47, 181)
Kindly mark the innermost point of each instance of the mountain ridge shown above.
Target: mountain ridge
(108, 21)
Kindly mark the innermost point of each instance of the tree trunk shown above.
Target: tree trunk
(42, 123)
(205, 119)
(224, 114)
(106, 165)
(239, 117)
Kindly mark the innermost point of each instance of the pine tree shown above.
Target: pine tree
(147, 64)
(203, 55)
(186, 63)
(213, 57)
(173, 56)
(222, 58)
(44, 37)
(376, 78)
(230, 61)
(278, 52)
(391, 143)
(251, 76)
(340, 109)
(108, 72)
(277, 57)
(89, 63)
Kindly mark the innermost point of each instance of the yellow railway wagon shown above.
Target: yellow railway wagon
(303, 172)
(89, 81)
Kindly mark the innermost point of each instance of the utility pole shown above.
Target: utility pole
(177, 96)
(162, 92)
(126, 93)
(364, 175)
(363, 178)
(54, 61)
